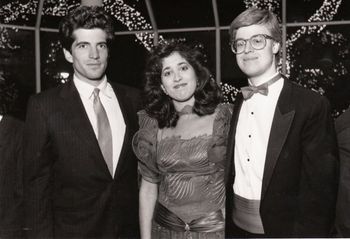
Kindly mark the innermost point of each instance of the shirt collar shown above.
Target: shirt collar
(86, 90)
(264, 81)
(1, 117)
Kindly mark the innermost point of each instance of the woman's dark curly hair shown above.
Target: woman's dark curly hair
(159, 105)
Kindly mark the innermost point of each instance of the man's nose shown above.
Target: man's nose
(94, 53)
(248, 47)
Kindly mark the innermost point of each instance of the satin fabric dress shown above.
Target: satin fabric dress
(189, 172)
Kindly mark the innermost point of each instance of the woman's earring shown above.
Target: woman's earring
(163, 89)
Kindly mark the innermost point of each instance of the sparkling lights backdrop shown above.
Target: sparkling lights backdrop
(5, 40)
(316, 55)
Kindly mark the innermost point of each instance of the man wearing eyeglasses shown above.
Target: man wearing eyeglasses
(282, 162)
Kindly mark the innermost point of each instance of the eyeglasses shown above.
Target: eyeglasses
(257, 42)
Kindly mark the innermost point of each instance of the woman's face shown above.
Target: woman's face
(179, 79)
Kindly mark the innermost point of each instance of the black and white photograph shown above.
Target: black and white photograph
(174, 119)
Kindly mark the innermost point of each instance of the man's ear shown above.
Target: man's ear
(276, 47)
(68, 55)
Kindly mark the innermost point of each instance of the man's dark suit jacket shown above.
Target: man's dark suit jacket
(342, 126)
(69, 191)
(301, 170)
(11, 188)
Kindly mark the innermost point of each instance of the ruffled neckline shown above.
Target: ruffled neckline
(186, 110)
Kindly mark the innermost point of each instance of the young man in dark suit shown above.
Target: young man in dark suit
(80, 172)
(11, 187)
(282, 160)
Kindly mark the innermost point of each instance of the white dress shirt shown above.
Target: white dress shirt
(251, 140)
(1, 117)
(111, 105)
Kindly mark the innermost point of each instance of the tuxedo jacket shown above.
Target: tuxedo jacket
(300, 176)
(342, 126)
(11, 188)
(69, 191)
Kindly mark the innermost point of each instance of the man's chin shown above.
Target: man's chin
(96, 77)
(252, 73)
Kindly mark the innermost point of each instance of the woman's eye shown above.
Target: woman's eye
(166, 73)
(184, 67)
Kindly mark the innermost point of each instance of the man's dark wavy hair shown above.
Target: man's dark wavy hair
(86, 17)
(159, 105)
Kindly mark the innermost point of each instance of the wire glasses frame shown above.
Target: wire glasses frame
(257, 42)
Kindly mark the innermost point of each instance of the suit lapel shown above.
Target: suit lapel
(74, 110)
(282, 121)
(123, 101)
(4, 131)
(231, 138)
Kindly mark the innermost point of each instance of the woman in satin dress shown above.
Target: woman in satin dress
(181, 146)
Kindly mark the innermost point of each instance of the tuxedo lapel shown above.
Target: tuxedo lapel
(282, 121)
(231, 137)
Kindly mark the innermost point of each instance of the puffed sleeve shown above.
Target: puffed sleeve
(144, 144)
(217, 150)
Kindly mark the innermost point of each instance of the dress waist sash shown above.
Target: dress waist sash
(211, 222)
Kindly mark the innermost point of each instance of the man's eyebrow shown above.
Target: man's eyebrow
(82, 42)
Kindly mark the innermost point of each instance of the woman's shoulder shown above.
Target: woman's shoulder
(222, 119)
(221, 128)
(224, 110)
(145, 121)
(148, 128)
(144, 145)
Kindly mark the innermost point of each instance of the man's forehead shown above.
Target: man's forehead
(248, 31)
(82, 34)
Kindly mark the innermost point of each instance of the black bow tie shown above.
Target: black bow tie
(249, 91)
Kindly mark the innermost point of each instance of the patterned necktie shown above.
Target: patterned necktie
(104, 131)
(249, 91)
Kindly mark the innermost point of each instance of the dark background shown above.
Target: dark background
(318, 59)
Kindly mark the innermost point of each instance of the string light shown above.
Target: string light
(272, 5)
(59, 8)
(229, 92)
(134, 21)
(5, 40)
(16, 10)
(325, 13)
